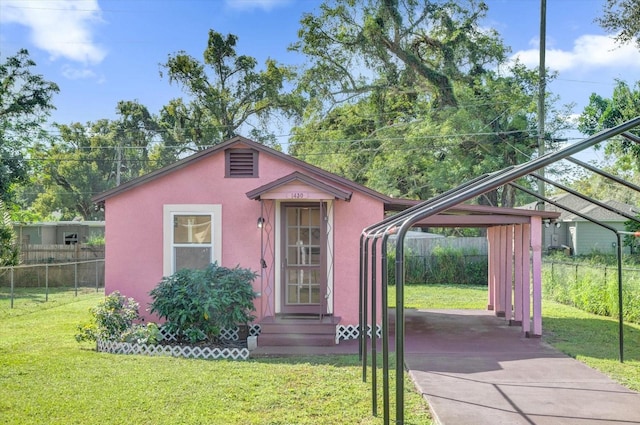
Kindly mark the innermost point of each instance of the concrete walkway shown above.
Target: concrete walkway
(474, 369)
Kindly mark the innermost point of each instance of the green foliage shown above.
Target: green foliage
(631, 240)
(602, 113)
(25, 102)
(9, 248)
(227, 93)
(622, 18)
(418, 46)
(113, 320)
(96, 240)
(443, 266)
(593, 288)
(90, 158)
(199, 303)
(429, 112)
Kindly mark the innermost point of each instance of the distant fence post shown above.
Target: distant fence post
(11, 271)
(75, 276)
(46, 282)
(96, 268)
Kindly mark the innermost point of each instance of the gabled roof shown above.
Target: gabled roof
(601, 214)
(585, 207)
(299, 177)
(316, 172)
(323, 180)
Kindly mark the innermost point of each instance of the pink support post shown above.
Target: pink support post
(502, 278)
(519, 279)
(526, 279)
(492, 267)
(536, 246)
(508, 272)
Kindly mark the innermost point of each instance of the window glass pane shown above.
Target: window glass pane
(304, 236)
(315, 295)
(315, 217)
(194, 229)
(292, 235)
(192, 257)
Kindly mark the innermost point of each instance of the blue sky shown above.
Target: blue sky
(102, 51)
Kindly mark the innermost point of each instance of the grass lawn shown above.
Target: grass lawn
(46, 377)
(29, 300)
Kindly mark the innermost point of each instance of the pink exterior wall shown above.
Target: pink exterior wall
(134, 228)
(350, 219)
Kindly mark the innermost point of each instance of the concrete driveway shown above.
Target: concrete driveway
(474, 369)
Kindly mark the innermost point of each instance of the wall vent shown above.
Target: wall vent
(241, 163)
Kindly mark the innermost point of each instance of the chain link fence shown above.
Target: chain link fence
(593, 288)
(24, 285)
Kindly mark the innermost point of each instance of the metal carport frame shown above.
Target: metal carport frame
(403, 221)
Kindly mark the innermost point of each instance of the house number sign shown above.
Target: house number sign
(297, 195)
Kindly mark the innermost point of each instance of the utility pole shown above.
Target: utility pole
(541, 92)
(118, 163)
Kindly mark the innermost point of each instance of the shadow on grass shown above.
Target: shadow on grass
(592, 337)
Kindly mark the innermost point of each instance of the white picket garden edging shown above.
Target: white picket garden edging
(205, 353)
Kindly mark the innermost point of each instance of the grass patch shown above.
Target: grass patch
(436, 297)
(48, 378)
(593, 340)
(29, 300)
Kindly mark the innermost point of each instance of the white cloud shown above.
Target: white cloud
(590, 52)
(63, 28)
(266, 5)
(73, 73)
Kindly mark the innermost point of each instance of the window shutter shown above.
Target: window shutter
(242, 163)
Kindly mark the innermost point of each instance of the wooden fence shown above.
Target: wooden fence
(44, 254)
(423, 247)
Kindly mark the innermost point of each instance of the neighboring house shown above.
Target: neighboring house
(580, 235)
(58, 232)
(242, 203)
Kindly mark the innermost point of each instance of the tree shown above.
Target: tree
(404, 97)
(622, 17)
(227, 93)
(403, 147)
(602, 113)
(87, 159)
(9, 252)
(421, 46)
(25, 103)
(77, 166)
(136, 133)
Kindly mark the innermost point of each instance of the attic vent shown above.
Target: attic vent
(241, 163)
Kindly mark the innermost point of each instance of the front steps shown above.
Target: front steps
(297, 331)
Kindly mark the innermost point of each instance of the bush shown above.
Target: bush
(592, 288)
(199, 303)
(113, 320)
(443, 266)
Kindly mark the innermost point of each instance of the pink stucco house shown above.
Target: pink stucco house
(242, 203)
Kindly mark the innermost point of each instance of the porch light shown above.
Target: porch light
(260, 222)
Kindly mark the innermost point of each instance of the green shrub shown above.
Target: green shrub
(443, 266)
(113, 320)
(199, 303)
(593, 288)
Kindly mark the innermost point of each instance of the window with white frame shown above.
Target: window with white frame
(191, 236)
